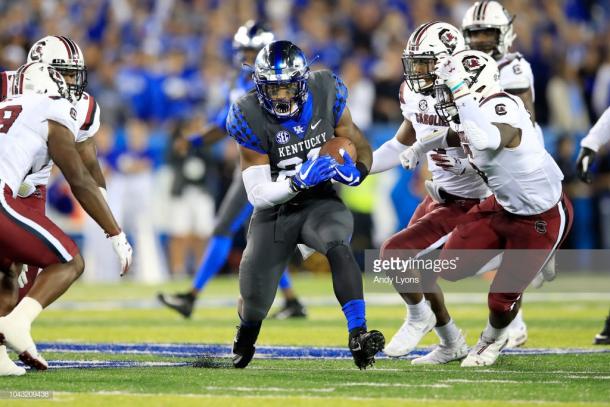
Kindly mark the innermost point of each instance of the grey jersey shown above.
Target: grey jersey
(289, 142)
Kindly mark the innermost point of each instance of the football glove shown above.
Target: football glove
(585, 159)
(123, 249)
(410, 157)
(312, 172)
(347, 173)
(451, 70)
(457, 166)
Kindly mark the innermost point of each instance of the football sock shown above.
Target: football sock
(492, 333)
(355, 313)
(285, 282)
(517, 321)
(417, 312)
(27, 309)
(215, 257)
(448, 333)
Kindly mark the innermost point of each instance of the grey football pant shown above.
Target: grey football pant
(234, 209)
(324, 224)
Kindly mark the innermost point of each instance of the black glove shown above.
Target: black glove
(585, 159)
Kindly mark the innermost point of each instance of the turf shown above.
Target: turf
(126, 313)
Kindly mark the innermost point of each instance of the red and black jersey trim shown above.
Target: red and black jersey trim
(91, 111)
(3, 86)
(497, 95)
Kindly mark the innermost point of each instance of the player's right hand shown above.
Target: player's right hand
(454, 165)
(123, 249)
(410, 157)
(312, 172)
(585, 159)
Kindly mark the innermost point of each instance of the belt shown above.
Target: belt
(454, 198)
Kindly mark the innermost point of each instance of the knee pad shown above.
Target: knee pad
(502, 302)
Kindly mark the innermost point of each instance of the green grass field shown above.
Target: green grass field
(127, 313)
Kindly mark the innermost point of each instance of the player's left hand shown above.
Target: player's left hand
(347, 173)
(450, 69)
(123, 249)
(585, 159)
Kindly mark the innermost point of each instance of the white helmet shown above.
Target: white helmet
(489, 15)
(483, 80)
(65, 56)
(427, 42)
(41, 79)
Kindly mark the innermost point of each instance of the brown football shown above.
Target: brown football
(332, 147)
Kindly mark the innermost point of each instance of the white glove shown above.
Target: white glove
(450, 69)
(22, 279)
(454, 165)
(410, 157)
(123, 249)
(26, 189)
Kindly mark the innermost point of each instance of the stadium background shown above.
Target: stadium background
(162, 69)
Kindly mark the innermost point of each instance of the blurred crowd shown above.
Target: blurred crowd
(160, 69)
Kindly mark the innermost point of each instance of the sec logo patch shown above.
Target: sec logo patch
(282, 137)
(73, 113)
(423, 105)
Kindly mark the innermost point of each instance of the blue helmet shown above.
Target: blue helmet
(250, 36)
(280, 74)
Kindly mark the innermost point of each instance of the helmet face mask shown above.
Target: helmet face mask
(419, 72)
(280, 75)
(445, 105)
(484, 39)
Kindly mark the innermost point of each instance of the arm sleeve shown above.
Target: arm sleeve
(387, 156)
(599, 133)
(262, 191)
(340, 98)
(239, 129)
(62, 112)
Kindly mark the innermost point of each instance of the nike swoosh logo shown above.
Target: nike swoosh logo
(313, 126)
(350, 179)
(306, 173)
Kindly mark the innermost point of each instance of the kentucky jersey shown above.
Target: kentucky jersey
(419, 110)
(24, 133)
(525, 179)
(289, 143)
(88, 119)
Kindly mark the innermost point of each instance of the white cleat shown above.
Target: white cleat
(409, 335)
(517, 335)
(444, 353)
(7, 366)
(485, 352)
(16, 335)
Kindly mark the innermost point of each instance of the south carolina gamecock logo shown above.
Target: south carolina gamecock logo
(36, 52)
(448, 39)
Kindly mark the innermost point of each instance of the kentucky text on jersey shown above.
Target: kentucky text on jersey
(304, 145)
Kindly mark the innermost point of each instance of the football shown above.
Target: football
(332, 147)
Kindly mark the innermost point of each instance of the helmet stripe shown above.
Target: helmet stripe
(63, 40)
(420, 32)
(73, 47)
(19, 76)
(486, 3)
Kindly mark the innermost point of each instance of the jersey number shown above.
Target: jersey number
(8, 115)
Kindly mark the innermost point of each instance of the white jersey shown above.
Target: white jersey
(419, 110)
(24, 133)
(515, 73)
(599, 133)
(88, 118)
(525, 179)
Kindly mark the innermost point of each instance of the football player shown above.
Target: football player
(280, 128)
(488, 27)
(528, 215)
(589, 146)
(449, 195)
(235, 209)
(67, 58)
(41, 122)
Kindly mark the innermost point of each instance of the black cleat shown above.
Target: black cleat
(603, 338)
(181, 303)
(364, 346)
(292, 309)
(243, 345)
